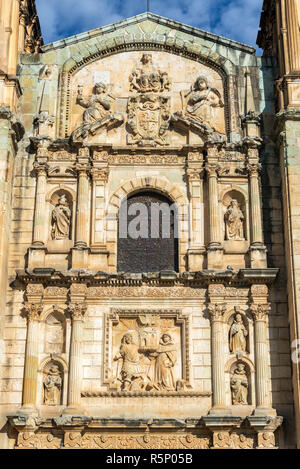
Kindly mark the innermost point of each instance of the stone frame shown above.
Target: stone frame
(181, 319)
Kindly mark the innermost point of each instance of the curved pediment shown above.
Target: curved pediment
(146, 99)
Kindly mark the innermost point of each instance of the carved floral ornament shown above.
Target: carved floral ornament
(77, 311)
(217, 311)
(260, 311)
(33, 311)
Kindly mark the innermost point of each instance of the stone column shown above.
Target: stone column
(77, 312)
(31, 358)
(217, 312)
(40, 205)
(255, 206)
(293, 35)
(263, 398)
(82, 212)
(196, 219)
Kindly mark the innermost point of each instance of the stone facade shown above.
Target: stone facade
(197, 356)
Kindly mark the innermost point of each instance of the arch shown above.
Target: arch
(155, 184)
(236, 193)
(145, 42)
(46, 312)
(51, 199)
(44, 373)
(234, 360)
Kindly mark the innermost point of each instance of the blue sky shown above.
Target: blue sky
(235, 19)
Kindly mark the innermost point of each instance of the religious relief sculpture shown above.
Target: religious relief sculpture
(98, 115)
(166, 356)
(239, 385)
(53, 386)
(146, 358)
(237, 335)
(61, 219)
(148, 109)
(234, 222)
(198, 109)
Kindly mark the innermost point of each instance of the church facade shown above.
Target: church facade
(149, 235)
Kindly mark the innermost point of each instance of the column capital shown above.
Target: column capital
(215, 170)
(40, 168)
(260, 311)
(253, 169)
(33, 311)
(77, 311)
(100, 174)
(216, 311)
(194, 174)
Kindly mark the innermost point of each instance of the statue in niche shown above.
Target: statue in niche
(53, 386)
(166, 356)
(239, 385)
(61, 219)
(202, 99)
(134, 365)
(237, 335)
(98, 114)
(234, 222)
(147, 78)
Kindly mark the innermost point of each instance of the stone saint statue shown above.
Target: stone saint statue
(98, 112)
(237, 335)
(166, 356)
(202, 99)
(239, 385)
(133, 366)
(234, 218)
(61, 219)
(52, 386)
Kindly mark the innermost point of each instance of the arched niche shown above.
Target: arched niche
(147, 233)
(61, 220)
(238, 332)
(241, 382)
(52, 380)
(55, 333)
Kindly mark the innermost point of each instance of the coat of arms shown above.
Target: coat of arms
(148, 107)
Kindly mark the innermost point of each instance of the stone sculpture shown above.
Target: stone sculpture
(239, 385)
(234, 222)
(53, 386)
(237, 335)
(98, 115)
(61, 219)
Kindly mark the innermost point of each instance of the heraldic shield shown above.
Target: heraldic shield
(148, 119)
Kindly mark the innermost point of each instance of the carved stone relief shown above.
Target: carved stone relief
(238, 334)
(147, 352)
(98, 115)
(52, 385)
(61, 219)
(54, 334)
(239, 385)
(148, 111)
(234, 222)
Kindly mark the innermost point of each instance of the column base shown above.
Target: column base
(221, 411)
(264, 411)
(196, 257)
(28, 410)
(215, 256)
(80, 257)
(72, 410)
(258, 256)
(36, 256)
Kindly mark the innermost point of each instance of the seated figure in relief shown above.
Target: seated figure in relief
(238, 334)
(239, 385)
(202, 99)
(61, 219)
(234, 222)
(98, 113)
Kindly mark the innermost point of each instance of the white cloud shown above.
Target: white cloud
(235, 19)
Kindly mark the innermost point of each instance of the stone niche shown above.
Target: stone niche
(109, 101)
(147, 352)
